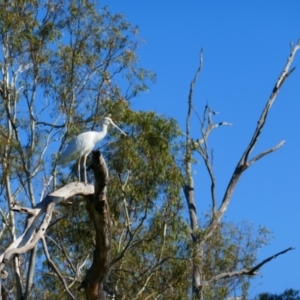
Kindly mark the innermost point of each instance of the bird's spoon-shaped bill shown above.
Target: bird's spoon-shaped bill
(112, 123)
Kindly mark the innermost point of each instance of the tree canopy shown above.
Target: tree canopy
(288, 294)
(65, 65)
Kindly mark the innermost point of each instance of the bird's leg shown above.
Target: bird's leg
(79, 169)
(84, 167)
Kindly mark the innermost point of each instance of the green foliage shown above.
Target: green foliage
(232, 247)
(288, 294)
(56, 55)
(149, 232)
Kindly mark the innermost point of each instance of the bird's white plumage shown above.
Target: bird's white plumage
(83, 144)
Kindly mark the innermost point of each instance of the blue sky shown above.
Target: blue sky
(246, 44)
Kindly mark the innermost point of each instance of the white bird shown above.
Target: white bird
(83, 144)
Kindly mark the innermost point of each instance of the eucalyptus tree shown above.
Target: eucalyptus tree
(54, 55)
(65, 66)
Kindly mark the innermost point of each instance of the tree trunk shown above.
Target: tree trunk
(98, 209)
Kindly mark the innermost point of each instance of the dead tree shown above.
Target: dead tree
(218, 209)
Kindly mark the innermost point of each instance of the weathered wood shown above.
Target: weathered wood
(35, 229)
(98, 209)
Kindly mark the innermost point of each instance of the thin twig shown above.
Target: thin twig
(55, 269)
(252, 271)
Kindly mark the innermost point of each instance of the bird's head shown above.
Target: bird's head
(109, 121)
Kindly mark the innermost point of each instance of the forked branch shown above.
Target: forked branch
(55, 269)
(244, 162)
(251, 271)
(201, 145)
(35, 230)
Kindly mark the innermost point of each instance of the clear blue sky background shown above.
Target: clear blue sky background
(246, 44)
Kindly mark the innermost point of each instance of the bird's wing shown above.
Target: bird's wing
(83, 144)
(71, 153)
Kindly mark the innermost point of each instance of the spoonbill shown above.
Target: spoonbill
(82, 145)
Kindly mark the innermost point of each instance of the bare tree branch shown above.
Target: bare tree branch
(264, 153)
(130, 243)
(243, 164)
(55, 269)
(35, 229)
(201, 145)
(67, 256)
(188, 187)
(252, 271)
